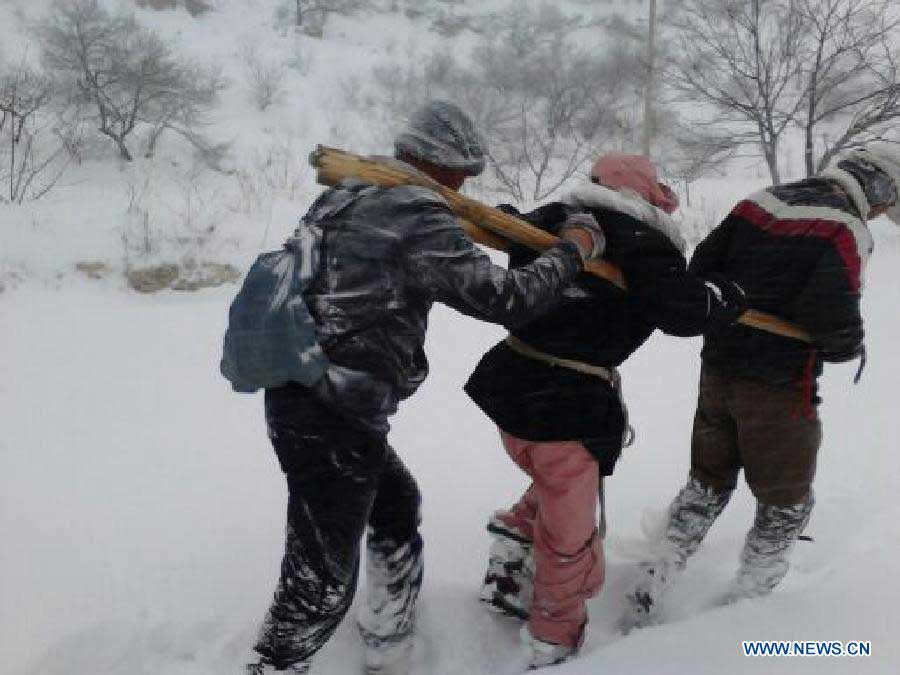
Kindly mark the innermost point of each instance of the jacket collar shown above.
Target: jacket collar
(591, 195)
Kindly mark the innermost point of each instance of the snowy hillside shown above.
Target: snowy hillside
(141, 506)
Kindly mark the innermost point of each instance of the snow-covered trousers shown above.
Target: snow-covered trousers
(760, 428)
(766, 553)
(558, 513)
(340, 481)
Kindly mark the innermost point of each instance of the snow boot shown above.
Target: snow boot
(387, 621)
(392, 656)
(691, 514)
(509, 581)
(543, 653)
(644, 601)
(766, 553)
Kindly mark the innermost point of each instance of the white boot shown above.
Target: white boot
(691, 514)
(389, 657)
(765, 559)
(643, 601)
(542, 653)
(387, 621)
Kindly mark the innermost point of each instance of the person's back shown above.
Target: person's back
(387, 255)
(618, 321)
(384, 255)
(553, 390)
(597, 324)
(798, 251)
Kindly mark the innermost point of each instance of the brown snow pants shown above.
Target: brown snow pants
(756, 426)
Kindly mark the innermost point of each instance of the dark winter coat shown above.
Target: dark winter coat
(598, 324)
(798, 251)
(387, 255)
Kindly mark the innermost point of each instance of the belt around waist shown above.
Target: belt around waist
(610, 375)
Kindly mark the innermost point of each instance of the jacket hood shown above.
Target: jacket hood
(852, 187)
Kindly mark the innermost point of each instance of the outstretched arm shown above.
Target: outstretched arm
(448, 267)
(676, 301)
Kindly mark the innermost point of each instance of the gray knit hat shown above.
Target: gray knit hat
(877, 167)
(442, 134)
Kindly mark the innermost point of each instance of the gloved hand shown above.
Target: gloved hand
(843, 345)
(584, 231)
(508, 209)
(727, 301)
(856, 350)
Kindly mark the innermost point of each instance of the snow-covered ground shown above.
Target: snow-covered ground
(141, 508)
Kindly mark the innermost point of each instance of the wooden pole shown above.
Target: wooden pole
(492, 227)
(481, 222)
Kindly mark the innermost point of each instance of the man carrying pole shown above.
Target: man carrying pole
(386, 255)
(799, 251)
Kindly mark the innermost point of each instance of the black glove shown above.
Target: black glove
(587, 223)
(841, 346)
(854, 350)
(508, 209)
(727, 301)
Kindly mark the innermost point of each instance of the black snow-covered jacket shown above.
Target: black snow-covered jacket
(387, 254)
(597, 324)
(799, 252)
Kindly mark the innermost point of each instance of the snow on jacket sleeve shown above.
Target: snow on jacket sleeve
(828, 307)
(449, 268)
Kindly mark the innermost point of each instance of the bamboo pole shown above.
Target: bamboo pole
(492, 227)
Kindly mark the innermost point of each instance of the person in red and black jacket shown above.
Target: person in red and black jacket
(553, 390)
(799, 251)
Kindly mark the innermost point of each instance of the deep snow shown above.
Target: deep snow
(141, 509)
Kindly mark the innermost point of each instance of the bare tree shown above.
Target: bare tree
(127, 73)
(629, 55)
(310, 15)
(691, 152)
(544, 103)
(32, 165)
(264, 76)
(850, 81)
(742, 57)
(194, 7)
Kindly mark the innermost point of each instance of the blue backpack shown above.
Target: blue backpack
(271, 337)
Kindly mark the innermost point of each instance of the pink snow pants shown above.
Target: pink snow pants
(558, 513)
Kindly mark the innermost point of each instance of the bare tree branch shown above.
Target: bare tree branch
(740, 57)
(127, 73)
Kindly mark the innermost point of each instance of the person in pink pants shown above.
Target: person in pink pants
(553, 390)
(557, 515)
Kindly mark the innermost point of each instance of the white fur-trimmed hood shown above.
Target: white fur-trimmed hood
(853, 189)
(591, 195)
